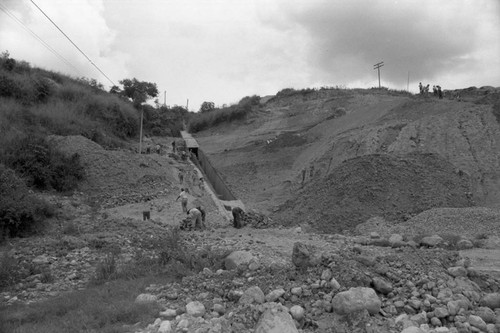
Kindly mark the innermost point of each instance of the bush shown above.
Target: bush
(42, 166)
(20, 211)
(10, 270)
(10, 87)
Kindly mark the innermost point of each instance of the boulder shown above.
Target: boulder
(195, 309)
(382, 285)
(304, 256)
(238, 258)
(334, 284)
(169, 314)
(165, 327)
(457, 271)
(431, 241)
(491, 300)
(297, 312)
(477, 322)
(396, 240)
(486, 314)
(274, 295)
(252, 295)
(464, 244)
(356, 299)
(275, 322)
(146, 298)
(326, 275)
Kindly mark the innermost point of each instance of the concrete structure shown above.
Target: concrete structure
(221, 194)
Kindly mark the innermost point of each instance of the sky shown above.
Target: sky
(223, 50)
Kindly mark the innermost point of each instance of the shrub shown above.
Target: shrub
(105, 270)
(10, 270)
(43, 88)
(10, 87)
(20, 211)
(42, 166)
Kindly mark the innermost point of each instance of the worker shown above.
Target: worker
(184, 199)
(203, 215)
(238, 217)
(196, 219)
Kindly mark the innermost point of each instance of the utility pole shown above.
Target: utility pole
(140, 132)
(377, 67)
(165, 98)
(408, 84)
(187, 104)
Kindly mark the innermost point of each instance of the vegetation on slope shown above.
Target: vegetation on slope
(210, 117)
(36, 103)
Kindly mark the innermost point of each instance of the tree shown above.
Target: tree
(138, 91)
(207, 106)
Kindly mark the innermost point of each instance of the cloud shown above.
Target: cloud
(82, 22)
(224, 50)
(427, 38)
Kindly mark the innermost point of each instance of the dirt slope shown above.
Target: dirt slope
(393, 187)
(262, 159)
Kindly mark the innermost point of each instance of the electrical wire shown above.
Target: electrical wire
(83, 53)
(45, 44)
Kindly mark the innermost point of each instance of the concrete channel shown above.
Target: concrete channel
(222, 196)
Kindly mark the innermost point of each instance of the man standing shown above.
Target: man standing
(237, 217)
(195, 216)
(184, 199)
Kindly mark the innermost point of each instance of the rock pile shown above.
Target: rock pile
(433, 291)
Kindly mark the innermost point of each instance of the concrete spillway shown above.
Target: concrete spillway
(212, 177)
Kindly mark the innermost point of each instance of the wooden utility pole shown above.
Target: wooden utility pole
(165, 98)
(377, 67)
(187, 104)
(140, 131)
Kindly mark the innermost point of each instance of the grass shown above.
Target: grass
(105, 308)
(107, 305)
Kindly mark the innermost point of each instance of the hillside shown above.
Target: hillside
(94, 264)
(373, 152)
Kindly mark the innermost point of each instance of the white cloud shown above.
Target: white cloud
(223, 50)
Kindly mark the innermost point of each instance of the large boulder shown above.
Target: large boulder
(238, 258)
(304, 256)
(382, 285)
(431, 241)
(252, 295)
(491, 300)
(146, 298)
(195, 309)
(356, 299)
(275, 322)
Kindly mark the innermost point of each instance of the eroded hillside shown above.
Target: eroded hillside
(366, 152)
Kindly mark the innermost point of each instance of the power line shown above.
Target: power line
(47, 46)
(73, 43)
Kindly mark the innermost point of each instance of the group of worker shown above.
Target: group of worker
(196, 216)
(436, 90)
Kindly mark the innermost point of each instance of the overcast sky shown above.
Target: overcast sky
(223, 50)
